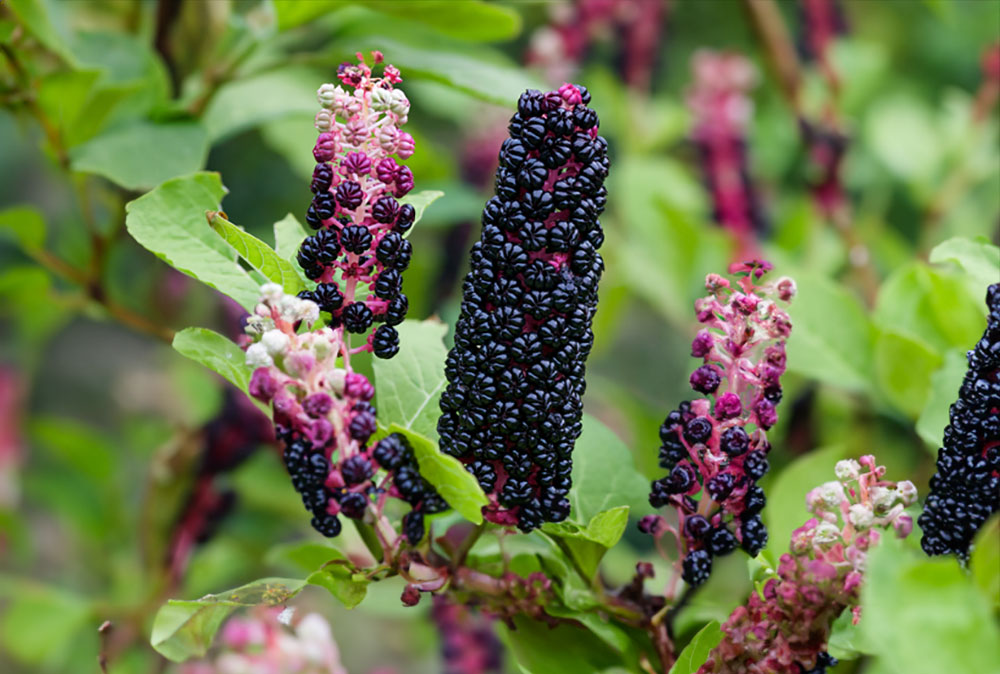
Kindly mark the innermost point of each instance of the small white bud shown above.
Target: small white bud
(285, 617)
(832, 494)
(275, 341)
(907, 492)
(324, 120)
(882, 498)
(848, 469)
(307, 311)
(381, 99)
(825, 532)
(271, 292)
(257, 356)
(861, 516)
(335, 379)
(327, 94)
(400, 104)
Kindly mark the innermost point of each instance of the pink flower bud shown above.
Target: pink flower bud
(406, 145)
(326, 147)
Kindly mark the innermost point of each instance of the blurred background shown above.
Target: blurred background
(841, 140)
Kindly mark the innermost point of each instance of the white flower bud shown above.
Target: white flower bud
(271, 292)
(324, 120)
(861, 516)
(907, 492)
(381, 99)
(335, 380)
(275, 341)
(400, 104)
(327, 94)
(848, 469)
(831, 494)
(882, 498)
(307, 311)
(257, 356)
(825, 532)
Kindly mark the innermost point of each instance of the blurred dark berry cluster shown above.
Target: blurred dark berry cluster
(512, 409)
(360, 222)
(965, 491)
(715, 448)
(469, 644)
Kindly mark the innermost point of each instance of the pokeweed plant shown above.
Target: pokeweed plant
(510, 505)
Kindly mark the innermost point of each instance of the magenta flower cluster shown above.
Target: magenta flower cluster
(715, 448)
(719, 100)
(785, 627)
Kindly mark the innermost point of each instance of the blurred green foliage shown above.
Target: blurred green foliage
(104, 101)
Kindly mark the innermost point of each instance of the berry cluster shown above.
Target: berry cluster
(966, 489)
(512, 410)
(357, 184)
(468, 643)
(722, 110)
(821, 22)
(715, 448)
(324, 416)
(784, 629)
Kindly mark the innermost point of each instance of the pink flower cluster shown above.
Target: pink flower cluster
(261, 644)
(357, 184)
(785, 627)
(716, 447)
(324, 416)
(719, 100)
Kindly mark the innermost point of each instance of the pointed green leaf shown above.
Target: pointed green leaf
(170, 222)
(453, 482)
(143, 154)
(288, 236)
(587, 545)
(420, 201)
(185, 629)
(25, 225)
(978, 258)
(409, 385)
(696, 652)
(216, 353)
(346, 586)
(258, 254)
(943, 391)
(595, 487)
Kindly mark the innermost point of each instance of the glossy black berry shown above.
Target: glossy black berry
(355, 239)
(356, 469)
(349, 194)
(697, 567)
(413, 526)
(357, 317)
(385, 342)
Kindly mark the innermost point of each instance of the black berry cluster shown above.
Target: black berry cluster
(512, 409)
(965, 491)
(394, 454)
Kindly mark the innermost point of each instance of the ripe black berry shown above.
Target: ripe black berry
(357, 317)
(385, 342)
(356, 239)
(697, 567)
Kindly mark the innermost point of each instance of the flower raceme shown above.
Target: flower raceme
(715, 448)
(966, 489)
(324, 416)
(719, 100)
(512, 409)
(785, 628)
(360, 222)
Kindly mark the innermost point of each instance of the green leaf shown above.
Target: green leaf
(409, 385)
(215, 352)
(926, 615)
(346, 586)
(944, 385)
(846, 641)
(25, 225)
(468, 20)
(978, 258)
(143, 154)
(420, 201)
(786, 499)
(490, 80)
(832, 337)
(185, 629)
(46, 22)
(564, 649)
(587, 545)
(39, 622)
(453, 482)
(930, 306)
(258, 254)
(595, 487)
(288, 236)
(247, 102)
(306, 556)
(696, 652)
(903, 369)
(170, 222)
(985, 559)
